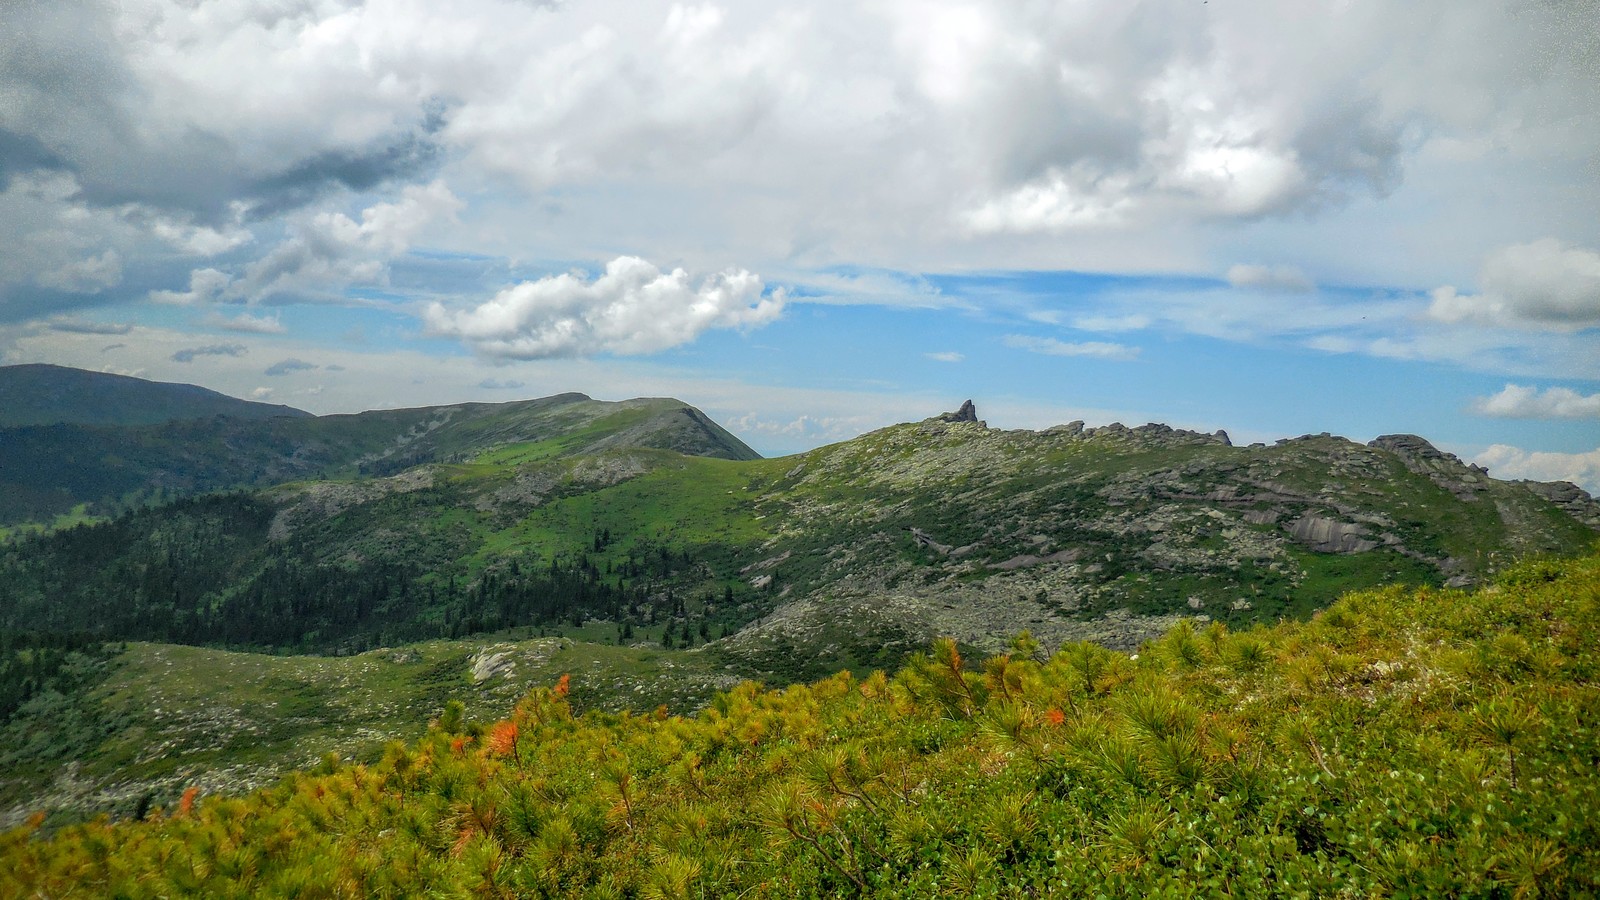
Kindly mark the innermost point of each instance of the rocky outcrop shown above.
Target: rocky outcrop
(1330, 535)
(967, 413)
(1571, 499)
(1466, 482)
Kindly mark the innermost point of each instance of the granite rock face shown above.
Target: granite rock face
(1330, 536)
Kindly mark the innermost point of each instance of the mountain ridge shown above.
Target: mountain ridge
(44, 394)
(663, 576)
(100, 469)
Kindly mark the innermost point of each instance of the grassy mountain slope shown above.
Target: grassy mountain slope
(848, 555)
(49, 470)
(1415, 743)
(37, 394)
(142, 723)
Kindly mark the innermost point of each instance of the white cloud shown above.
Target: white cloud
(86, 276)
(633, 308)
(332, 250)
(261, 393)
(946, 356)
(1516, 401)
(1128, 322)
(205, 285)
(899, 134)
(1053, 347)
(1545, 284)
(808, 428)
(246, 323)
(1270, 278)
(83, 326)
(200, 240)
(1505, 461)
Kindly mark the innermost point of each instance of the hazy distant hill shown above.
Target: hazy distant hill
(48, 470)
(38, 394)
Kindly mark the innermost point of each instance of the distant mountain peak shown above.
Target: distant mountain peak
(44, 394)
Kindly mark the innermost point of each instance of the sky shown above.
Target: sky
(814, 219)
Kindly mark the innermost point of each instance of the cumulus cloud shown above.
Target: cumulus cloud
(205, 285)
(1053, 347)
(1270, 278)
(1506, 461)
(1516, 401)
(894, 126)
(946, 356)
(285, 366)
(246, 323)
(189, 354)
(261, 393)
(86, 276)
(332, 250)
(1546, 284)
(633, 308)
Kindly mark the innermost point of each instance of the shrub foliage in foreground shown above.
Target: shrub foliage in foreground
(1405, 743)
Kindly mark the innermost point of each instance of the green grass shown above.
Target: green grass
(168, 715)
(687, 502)
(1404, 743)
(78, 515)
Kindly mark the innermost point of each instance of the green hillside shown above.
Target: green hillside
(571, 520)
(101, 470)
(1407, 743)
(135, 724)
(844, 557)
(37, 394)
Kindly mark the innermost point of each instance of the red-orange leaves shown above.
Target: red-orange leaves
(503, 739)
(186, 804)
(562, 687)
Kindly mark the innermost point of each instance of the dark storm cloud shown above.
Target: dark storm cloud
(410, 157)
(22, 153)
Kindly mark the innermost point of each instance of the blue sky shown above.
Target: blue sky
(819, 218)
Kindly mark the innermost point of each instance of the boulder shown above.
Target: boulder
(1330, 535)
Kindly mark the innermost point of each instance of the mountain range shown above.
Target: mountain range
(408, 556)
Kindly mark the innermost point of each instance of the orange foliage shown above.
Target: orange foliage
(562, 687)
(503, 739)
(1055, 717)
(186, 805)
